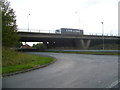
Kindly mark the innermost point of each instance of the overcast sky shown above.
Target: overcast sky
(55, 14)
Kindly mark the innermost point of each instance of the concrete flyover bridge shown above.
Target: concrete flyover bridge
(52, 40)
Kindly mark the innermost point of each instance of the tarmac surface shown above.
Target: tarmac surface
(69, 71)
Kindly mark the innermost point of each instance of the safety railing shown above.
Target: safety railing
(36, 30)
(100, 34)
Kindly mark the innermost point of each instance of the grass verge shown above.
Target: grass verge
(81, 52)
(13, 61)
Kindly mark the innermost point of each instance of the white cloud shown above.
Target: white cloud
(55, 14)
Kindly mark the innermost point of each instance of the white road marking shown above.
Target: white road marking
(113, 84)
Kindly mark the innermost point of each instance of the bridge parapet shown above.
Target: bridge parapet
(53, 32)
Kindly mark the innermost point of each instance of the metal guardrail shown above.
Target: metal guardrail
(36, 30)
(100, 34)
(85, 50)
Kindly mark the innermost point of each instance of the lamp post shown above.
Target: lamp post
(103, 34)
(28, 21)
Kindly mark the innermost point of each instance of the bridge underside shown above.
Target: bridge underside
(69, 43)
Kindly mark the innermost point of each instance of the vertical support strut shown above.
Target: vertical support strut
(85, 43)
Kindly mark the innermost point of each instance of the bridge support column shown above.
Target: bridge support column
(51, 44)
(45, 43)
(85, 43)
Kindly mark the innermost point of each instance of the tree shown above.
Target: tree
(39, 46)
(19, 44)
(9, 27)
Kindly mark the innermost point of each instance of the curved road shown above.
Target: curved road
(69, 71)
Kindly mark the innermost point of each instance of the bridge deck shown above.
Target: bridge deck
(49, 35)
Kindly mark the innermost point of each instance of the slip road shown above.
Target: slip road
(69, 71)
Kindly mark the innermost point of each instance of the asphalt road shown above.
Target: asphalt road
(69, 71)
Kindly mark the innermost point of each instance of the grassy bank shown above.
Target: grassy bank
(80, 52)
(15, 61)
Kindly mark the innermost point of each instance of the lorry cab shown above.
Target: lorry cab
(57, 32)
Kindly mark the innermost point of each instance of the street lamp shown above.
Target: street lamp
(103, 34)
(28, 21)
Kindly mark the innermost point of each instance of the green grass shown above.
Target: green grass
(15, 61)
(80, 52)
